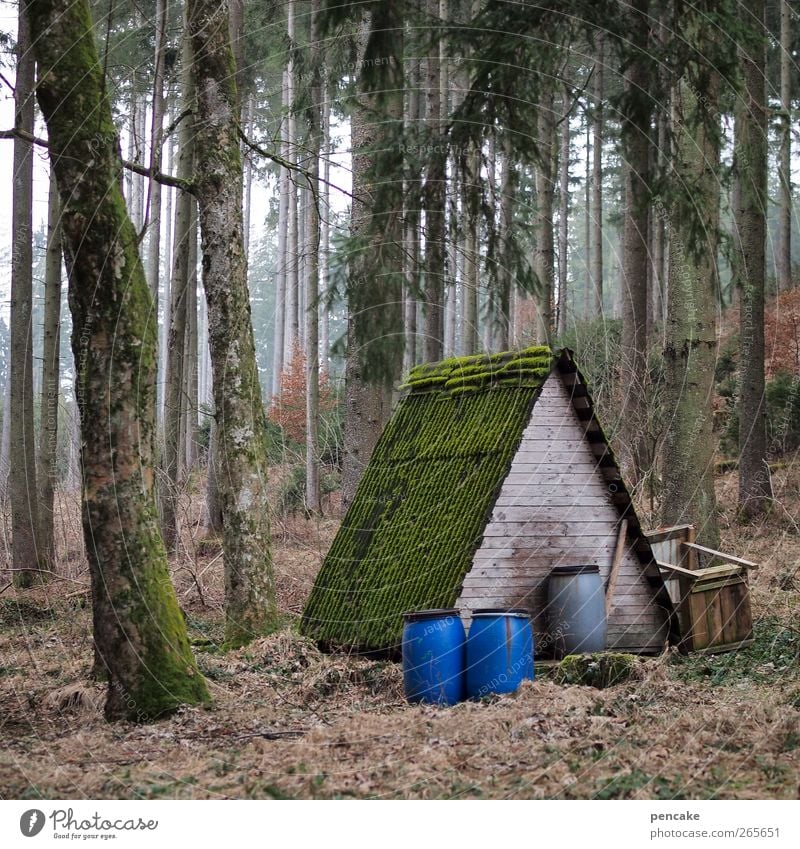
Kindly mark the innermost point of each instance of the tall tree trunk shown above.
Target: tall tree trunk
(656, 293)
(282, 271)
(545, 197)
(174, 398)
(139, 629)
(433, 202)
(153, 208)
(413, 118)
(47, 472)
(163, 338)
(503, 318)
(563, 215)
(292, 332)
(691, 340)
(751, 158)
(784, 250)
(250, 605)
(312, 271)
(191, 393)
(635, 255)
(375, 320)
(325, 233)
(5, 440)
(471, 205)
(596, 241)
(22, 478)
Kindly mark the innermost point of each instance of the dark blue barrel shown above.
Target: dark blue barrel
(576, 610)
(433, 656)
(499, 652)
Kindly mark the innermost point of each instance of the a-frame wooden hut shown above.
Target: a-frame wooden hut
(492, 470)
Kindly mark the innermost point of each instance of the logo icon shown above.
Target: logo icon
(31, 822)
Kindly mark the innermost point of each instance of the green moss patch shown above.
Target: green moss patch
(597, 670)
(408, 539)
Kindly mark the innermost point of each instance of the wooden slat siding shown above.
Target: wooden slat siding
(555, 508)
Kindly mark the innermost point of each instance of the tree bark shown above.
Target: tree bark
(282, 275)
(250, 605)
(596, 243)
(312, 271)
(502, 318)
(563, 215)
(784, 248)
(691, 339)
(325, 234)
(22, 477)
(47, 471)
(751, 159)
(545, 199)
(292, 331)
(139, 630)
(153, 210)
(471, 205)
(433, 202)
(174, 398)
(190, 361)
(375, 321)
(411, 217)
(635, 255)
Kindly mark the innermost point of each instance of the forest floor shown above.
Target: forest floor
(289, 722)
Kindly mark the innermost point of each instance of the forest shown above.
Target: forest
(243, 237)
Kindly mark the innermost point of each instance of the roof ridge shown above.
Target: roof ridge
(517, 367)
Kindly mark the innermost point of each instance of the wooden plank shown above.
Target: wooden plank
(540, 443)
(554, 518)
(565, 479)
(587, 501)
(701, 548)
(563, 468)
(678, 570)
(487, 566)
(662, 534)
(546, 491)
(546, 452)
(549, 530)
(728, 601)
(713, 616)
(532, 546)
(613, 574)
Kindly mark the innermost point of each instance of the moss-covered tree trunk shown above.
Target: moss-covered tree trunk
(241, 458)
(22, 468)
(139, 629)
(690, 335)
(755, 488)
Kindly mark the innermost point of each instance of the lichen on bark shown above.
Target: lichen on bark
(241, 456)
(139, 633)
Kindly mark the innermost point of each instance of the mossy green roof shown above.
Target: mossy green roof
(409, 537)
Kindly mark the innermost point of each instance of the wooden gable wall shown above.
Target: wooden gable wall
(556, 508)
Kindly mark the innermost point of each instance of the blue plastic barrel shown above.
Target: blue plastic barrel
(499, 652)
(576, 610)
(433, 656)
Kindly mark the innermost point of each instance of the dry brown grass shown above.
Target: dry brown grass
(288, 721)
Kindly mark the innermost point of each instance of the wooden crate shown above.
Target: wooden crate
(713, 603)
(717, 609)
